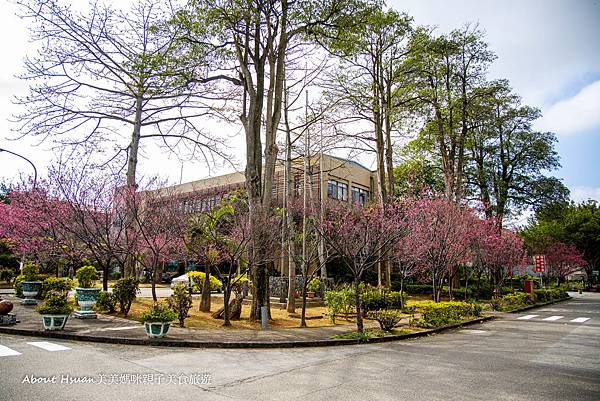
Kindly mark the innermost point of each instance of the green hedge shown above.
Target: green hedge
(519, 300)
(553, 294)
(443, 313)
(340, 301)
(378, 298)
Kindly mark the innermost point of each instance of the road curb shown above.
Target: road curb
(172, 342)
(526, 308)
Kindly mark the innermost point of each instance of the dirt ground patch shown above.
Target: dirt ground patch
(280, 317)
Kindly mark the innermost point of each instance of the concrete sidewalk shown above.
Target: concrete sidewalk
(111, 329)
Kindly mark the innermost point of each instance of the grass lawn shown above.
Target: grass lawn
(280, 317)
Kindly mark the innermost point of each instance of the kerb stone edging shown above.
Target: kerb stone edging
(242, 344)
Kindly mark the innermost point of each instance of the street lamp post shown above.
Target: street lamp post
(27, 160)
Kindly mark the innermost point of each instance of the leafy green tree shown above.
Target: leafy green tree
(577, 224)
(369, 84)
(508, 158)
(447, 73)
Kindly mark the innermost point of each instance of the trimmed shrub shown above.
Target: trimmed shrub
(87, 276)
(339, 301)
(198, 281)
(160, 312)
(181, 302)
(373, 299)
(30, 272)
(552, 294)
(57, 284)
(106, 302)
(125, 291)
(387, 319)
(56, 303)
(443, 313)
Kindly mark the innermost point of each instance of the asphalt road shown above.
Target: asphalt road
(551, 353)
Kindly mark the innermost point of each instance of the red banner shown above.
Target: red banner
(539, 263)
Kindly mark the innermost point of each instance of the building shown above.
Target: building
(344, 180)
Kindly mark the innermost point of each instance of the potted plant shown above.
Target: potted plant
(30, 285)
(313, 287)
(55, 311)
(87, 294)
(157, 320)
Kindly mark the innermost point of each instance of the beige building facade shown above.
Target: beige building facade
(344, 180)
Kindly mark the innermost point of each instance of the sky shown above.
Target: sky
(548, 49)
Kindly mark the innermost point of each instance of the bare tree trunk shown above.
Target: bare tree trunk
(304, 284)
(205, 298)
(359, 319)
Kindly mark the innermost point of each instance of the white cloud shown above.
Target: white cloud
(576, 114)
(582, 194)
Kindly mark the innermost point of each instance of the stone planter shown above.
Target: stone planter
(86, 299)
(31, 289)
(310, 294)
(157, 329)
(54, 322)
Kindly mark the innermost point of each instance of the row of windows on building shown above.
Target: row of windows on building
(339, 190)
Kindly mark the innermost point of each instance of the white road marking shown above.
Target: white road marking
(48, 346)
(110, 329)
(527, 317)
(5, 351)
(580, 320)
(473, 331)
(553, 318)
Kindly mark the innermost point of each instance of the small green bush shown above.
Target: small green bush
(387, 319)
(56, 303)
(57, 284)
(106, 302)
(362, 336)
(339, 301)
(30, 272)
(198, 281)
(181, 302)
(442, 313)
(373, 299)
(314, 285)
(125, 291)
(87, 276)
(552, 294)
(160, 312)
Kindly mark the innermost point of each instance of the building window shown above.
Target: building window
(359, 195)
(337, 190)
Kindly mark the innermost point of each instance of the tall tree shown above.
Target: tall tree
(448, 71)
(105, 70)
(367, 85)
(508, 158)
(251, 39)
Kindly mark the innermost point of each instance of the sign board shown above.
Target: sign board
(539, 264)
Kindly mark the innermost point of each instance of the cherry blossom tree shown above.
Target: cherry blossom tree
(358, 237)
(159, 226)
(98, 222)
(563, 259)
(441, 231)
(497, 251)
(35, 221)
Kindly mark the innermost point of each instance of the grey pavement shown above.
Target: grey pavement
(517, 357)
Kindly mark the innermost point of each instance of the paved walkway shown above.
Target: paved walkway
(108, 327)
